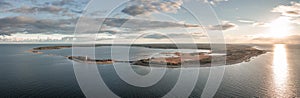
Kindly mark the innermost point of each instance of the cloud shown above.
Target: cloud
(4, 4)
(214, 2)
(224, 26)
(155, 36)
(260, 24)
(111, 25)
(10, 25)
(175, 35)
(31, 10)
(144, 7)
(98, 13)
(5, 34)
(21, 37)
(140, 25)
(31, 25)
(62, 2)
(293, 39)
(280, 21)
(246, 21)
(296, 20)
(123, 25)
(292, 10)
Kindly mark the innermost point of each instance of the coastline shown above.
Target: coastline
(235, 54)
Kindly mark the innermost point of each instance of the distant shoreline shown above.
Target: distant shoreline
(235, 54)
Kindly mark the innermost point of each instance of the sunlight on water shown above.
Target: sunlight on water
(280, 69)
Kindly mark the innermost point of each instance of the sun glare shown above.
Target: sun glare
(280, 70)
(280, 27)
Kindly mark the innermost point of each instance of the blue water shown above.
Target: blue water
(24, 74)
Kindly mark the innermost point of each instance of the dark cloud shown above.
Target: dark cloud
(70, 8)
(224, 26)
(111, 25)
(139, 25)
(10, 25)
(135, 10)
(5, 34)
(31, 10)
(173, 35)
(156, 36)
(4, 5)
(62, 2)
(293, 12)
(21, 24)
(76, 5)
(77, 11)
(109, 31)
(142, 7)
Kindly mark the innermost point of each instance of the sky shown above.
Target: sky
(150, 21)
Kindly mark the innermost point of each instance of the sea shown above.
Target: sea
(26, 75)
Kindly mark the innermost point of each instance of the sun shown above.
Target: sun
(280, 27)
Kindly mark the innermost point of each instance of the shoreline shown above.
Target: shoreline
(235, 54)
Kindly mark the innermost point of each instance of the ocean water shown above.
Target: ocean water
(23, 74)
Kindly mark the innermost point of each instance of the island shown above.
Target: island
(39, 49)
(51, 48)
(35, 51)
(89, 60)
(234, 54)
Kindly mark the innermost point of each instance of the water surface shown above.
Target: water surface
(24, 74)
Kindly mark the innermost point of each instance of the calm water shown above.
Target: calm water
(24, 74)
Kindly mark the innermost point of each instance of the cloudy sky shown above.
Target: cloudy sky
(150, 21)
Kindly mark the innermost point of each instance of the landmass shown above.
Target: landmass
(89, 60)
(39, 49)
(51, 48)
(35, 51)
(234, 54)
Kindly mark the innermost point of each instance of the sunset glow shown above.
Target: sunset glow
(280, 27)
